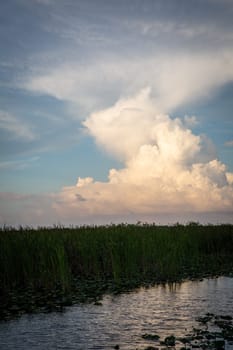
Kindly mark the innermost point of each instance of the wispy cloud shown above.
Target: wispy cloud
(45, 2)
(18, 164)
(190, 121)
(175, 79)
(15, 127)
(229, 143)
(180, 30)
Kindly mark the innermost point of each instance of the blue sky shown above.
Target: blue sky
(141, 87)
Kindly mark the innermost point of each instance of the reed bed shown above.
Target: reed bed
(46, 269)
(44, 257)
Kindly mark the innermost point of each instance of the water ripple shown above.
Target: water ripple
(122, 319)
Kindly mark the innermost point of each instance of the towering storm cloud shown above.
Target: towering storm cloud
(167, 168)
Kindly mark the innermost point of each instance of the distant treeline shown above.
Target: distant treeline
(43, 257)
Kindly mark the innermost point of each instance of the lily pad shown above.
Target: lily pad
(150, 336)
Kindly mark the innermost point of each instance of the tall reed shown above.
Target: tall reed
(44, 257)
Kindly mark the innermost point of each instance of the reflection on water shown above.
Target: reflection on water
(163, 309)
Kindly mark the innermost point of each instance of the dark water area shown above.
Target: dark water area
(122, 319)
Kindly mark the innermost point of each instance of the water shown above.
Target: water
(121, 319)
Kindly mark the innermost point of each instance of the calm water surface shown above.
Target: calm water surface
(122, 319)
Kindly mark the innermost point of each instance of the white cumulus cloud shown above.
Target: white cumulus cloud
(167, 168)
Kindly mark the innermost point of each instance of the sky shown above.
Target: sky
(116, 111)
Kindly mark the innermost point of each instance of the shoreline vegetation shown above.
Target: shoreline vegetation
(213, 332)
(46, 269)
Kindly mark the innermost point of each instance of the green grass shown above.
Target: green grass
(43, 257)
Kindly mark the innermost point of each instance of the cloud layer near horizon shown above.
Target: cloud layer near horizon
(166, 167)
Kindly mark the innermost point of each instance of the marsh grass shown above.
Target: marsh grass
(61, 258)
